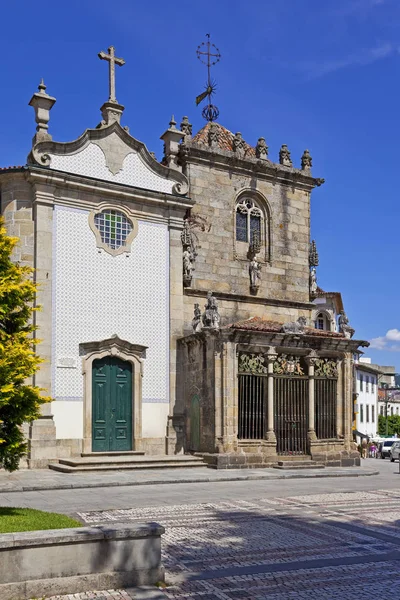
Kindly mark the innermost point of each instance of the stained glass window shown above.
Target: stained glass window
(255, 228)
(114, 228)
(241, 226)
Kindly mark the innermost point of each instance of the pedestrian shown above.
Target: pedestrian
(372, 450)
(364, 448)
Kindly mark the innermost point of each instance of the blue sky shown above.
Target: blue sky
(311, 74)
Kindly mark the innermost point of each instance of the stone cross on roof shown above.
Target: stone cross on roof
(112, 60)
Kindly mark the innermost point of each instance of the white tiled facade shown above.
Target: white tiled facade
(97, 295)
(367, 402)
(91, 162)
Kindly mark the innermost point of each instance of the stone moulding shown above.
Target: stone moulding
(264, 169)
(66, 561)
(40, 153)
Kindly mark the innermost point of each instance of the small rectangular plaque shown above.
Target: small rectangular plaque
(67, 362)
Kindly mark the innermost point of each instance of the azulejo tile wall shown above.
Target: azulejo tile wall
(91, 162)
(97, 295)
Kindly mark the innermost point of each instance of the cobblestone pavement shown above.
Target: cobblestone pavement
(325, 546)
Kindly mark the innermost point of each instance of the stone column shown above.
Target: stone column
(270, 435)
(176, 311)
(312, 437)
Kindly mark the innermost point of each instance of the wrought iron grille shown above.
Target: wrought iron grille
(291, 415)
(325, 408)
(252, 407)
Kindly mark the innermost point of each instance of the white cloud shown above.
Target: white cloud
(363, 57)
(383, 342)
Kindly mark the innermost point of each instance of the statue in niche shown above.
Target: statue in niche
(344, 325)
(211, 316)
(313, 282)
(196, 322)
(188, 265)
(255, 274)
(189, 254)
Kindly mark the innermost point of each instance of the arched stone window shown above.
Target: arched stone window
(252, 226)
(320, 322)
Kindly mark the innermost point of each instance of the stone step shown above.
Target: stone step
(120, 459)
(113, 454)
(129, 466)
(288, 465)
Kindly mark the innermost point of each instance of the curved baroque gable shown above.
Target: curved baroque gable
(110, 154)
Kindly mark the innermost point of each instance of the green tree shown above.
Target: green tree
(393, 425)
(19, 401)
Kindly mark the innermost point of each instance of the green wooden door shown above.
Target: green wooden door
(111, 405)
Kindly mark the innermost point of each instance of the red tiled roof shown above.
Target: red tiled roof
(224, 141)
(259, 324)
(10, 168)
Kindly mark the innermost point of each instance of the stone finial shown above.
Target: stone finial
(171, 138)
(42, 104)
(186, 127)
(313, 258)
(238, 144)
(284, 156)
(213, 135)
(261, 149)
(306, 161)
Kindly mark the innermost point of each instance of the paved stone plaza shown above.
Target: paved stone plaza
(325, 539)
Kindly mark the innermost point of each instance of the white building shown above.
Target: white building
(367, 382)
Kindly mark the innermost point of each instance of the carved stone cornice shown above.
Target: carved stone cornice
(40, 153)
(248, 165)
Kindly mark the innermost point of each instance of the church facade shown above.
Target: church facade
(177, 312)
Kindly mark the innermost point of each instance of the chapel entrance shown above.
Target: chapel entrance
(111, 405)
(291, 415)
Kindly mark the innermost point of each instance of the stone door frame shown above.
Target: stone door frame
(132, 353)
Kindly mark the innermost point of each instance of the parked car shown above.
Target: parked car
(394, 452)
(385, 446)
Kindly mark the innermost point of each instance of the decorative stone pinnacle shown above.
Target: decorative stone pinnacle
(306, 161)
(261, 149)
(186, 127)
(171, 138)
(284, 156)
(42, 104)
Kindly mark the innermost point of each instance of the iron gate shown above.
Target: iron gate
(252, 407)
(325, 408)
(291, 414)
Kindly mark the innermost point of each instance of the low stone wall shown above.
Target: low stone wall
(35, 564)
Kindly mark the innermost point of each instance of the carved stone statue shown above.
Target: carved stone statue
(344, 325)
(196, 322)
(238, 144)
(306, 161)
(213, 135)
(284, 156)
(188, 266)
(313, 282)
(262, 149)
(189, 254)
(295, 327)
(186, 127)
(211, 316)
(255, 274)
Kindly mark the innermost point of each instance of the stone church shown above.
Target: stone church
(178, 298)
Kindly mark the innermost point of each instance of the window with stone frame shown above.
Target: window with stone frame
(372, 414)
(321, 322)
(114, 228)
(361, 413)
(361, 382)
(381, 410)
(251, 227)
(367, 413)
(367, 383)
